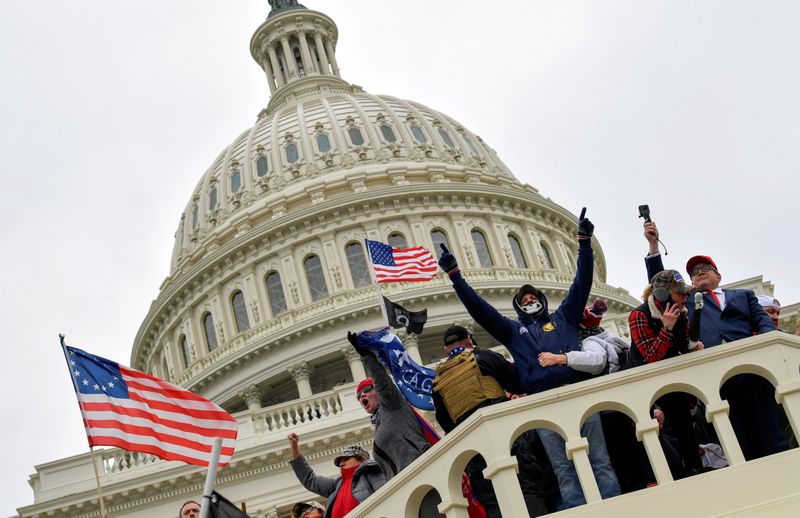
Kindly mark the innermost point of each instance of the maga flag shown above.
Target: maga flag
(413, 380)
(139, 412)
(399, 317)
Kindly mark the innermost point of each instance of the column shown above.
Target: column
(647, 433)
(301, 373)
(578, 452)
(322, 56)
(265, 64)
(503, 474)
(251, 396)
(354, 360)
(308, 63)
(717, 414)
(276, 67)
(332, 57)
(411, 341)
(788, 395)
(288, 57)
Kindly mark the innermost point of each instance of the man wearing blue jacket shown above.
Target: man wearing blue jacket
(537, 331)
(730, 315)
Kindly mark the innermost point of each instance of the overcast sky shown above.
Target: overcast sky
(111, 111)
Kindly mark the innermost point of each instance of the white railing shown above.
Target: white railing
(115, 461)
(293, 413)
(762, 486)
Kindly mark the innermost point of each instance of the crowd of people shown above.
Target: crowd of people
(552, 349)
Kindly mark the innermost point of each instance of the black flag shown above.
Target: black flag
(399, 317)
(221, 507)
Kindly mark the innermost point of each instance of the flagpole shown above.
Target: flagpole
(91, 448)
(375, 286)
(211, 478)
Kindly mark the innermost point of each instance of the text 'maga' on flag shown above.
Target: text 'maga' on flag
(414, 381)
(401, 264)
(400, 317)
(138, 412)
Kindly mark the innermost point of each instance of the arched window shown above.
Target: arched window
(240, 312)
(195, 217)
(482, 248)
(323, 143)
(388, 133)
(236, 181)
(277, 301)
(291, 153)
(355, 136)
(262, 166)
(315, 277)
(446, 138)
(359, 270)
(470, 145)
(516, 250)
(397, 240)
(212, 199)
(419, 135)
(438, 237)
(185, 354)
(548, 259)
(211, 334)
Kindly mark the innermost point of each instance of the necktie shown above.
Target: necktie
(714, 298)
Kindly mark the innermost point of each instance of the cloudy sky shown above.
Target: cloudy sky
(111, 111)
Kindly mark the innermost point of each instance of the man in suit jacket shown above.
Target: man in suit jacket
(730, 315)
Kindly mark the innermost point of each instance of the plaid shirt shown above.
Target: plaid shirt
(652, 346)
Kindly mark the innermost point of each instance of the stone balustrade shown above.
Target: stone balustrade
(761, 486)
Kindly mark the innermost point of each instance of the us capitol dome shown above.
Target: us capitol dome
(269, 273)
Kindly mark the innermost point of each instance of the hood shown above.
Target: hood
(526, 318)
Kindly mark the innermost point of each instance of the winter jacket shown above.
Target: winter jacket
(526, 337)
(367, 479)
(398, 437)
(599, 354)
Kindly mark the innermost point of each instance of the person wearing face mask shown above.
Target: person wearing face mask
(537, 331)
(660, 329)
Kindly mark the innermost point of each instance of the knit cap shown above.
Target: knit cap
(353, 450)
(593, 314)
(366, 382)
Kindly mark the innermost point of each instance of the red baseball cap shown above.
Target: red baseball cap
(366, 382)
(699, 259)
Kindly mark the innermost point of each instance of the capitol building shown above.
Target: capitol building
(269, 272)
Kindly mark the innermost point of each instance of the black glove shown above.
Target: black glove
(447, 261)
(585, 227)
(360, 349)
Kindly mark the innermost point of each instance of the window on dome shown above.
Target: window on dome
(446, 138)
(419, 135)
(212, 199)
(195, 217)
(439, 237)
(355, 136)
(240, 312)
(482, 248)
(516, 250)
(388, 133)
(323, 143)
(315, 277)
(359, 271)
(184, 346)
(291, 153)
(470, 145)
(211, 335)
(397, 240)
(546, 257)
(277, 301)
(262, 166)
(236, 181)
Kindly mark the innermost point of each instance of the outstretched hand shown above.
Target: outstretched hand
(353, 339)
(447, 261)
(585, 226)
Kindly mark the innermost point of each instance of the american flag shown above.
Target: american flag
(139, 412)
(401, 264)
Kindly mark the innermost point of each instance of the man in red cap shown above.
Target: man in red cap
(730, 315)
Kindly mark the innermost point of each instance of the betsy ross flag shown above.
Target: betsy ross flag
(139, 412)
(401, 264)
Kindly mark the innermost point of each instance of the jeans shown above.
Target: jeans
(568, 484)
